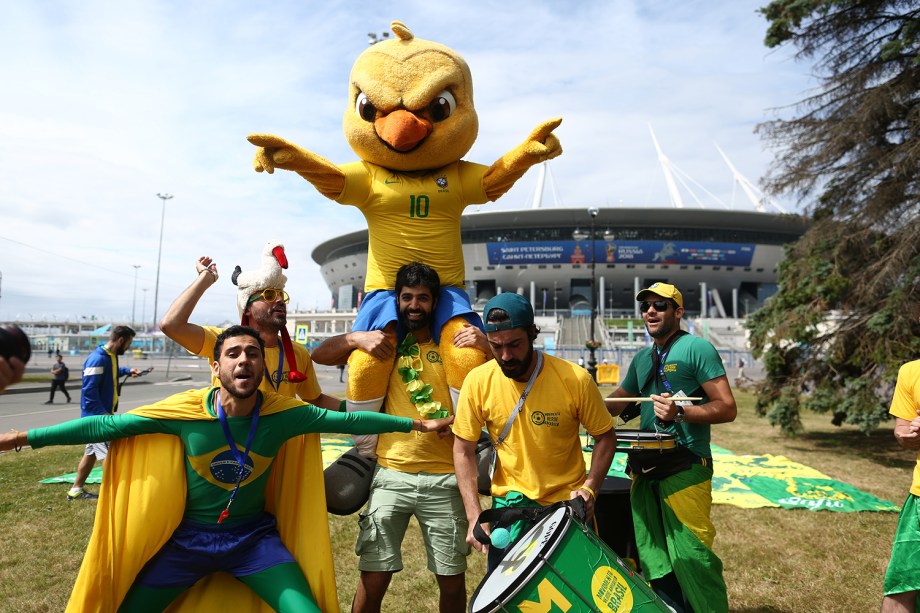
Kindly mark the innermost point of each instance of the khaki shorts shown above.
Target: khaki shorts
(434, 500)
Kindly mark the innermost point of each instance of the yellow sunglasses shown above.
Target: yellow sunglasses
(270, 295)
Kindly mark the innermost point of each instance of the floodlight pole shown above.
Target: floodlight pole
(156, 291)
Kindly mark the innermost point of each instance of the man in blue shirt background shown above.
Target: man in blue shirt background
(100, 397)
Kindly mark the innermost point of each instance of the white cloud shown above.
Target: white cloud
(107, 104)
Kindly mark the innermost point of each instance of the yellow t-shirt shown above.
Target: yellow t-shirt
(415, 452)
(413, 217)
(905, 403)
(541, 456)
(308, 389)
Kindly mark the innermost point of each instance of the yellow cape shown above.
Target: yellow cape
(142, 499)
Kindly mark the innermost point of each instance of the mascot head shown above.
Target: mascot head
(410, 104)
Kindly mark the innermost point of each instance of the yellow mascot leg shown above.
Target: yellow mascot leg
(367, 387)
(458, 361)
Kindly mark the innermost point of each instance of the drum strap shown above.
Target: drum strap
(509, 515)
(517, 409)
(658, 358)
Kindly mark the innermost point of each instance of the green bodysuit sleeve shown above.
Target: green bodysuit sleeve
(95, 429)
(314, 419)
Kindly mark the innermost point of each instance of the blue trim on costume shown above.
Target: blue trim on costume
(378, 310)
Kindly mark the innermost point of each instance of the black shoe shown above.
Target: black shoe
(82, 495)
(49, 402)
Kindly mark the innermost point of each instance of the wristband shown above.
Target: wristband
(589, 490)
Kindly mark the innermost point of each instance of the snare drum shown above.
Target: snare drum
(629, 441)
(560, 562)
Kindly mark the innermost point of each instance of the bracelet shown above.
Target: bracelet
(589, 490)
(16, 447)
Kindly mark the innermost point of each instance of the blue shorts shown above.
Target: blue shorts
(379, 310)
(196, 550)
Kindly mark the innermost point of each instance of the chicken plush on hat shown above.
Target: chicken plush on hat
(252, 284)
(410, 119)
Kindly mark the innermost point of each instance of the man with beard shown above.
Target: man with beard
(414, 473)
(671, 494)
(100, 397)
(546, 400)
(290, 373)
(213, 536)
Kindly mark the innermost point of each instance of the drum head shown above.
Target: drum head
(521, 562)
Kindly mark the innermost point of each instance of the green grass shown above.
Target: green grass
(775, 560)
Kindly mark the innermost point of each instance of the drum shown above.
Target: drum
(631, 440)
(613, 514)
(560, 562)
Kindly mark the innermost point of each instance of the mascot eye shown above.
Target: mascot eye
(366, 110)
(443, 106)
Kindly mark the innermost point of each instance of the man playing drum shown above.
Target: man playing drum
(546, 400)
(671, 495)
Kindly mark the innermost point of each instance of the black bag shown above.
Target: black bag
(655, 464)
(65, 373)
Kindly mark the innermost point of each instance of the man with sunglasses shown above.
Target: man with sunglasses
(265, 310)
(671, 494)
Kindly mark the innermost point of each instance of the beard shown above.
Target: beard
(239, 389)
(515, 369)
(268, 319)
(415, 324)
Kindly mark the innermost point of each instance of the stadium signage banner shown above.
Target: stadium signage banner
(621, 252)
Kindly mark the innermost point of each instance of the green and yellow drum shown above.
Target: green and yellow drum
(560, 565)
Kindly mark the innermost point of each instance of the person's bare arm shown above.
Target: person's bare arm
(604, 447)
(907, 433)
(175, 323)
(336, 349)
(467, 478)
(720, 409)
(471, 336)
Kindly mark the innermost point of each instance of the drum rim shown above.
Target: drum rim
(549, 547)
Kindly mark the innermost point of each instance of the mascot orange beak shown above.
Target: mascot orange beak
(402, 130)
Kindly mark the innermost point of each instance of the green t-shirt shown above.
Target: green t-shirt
(690, 362)
(210, 467)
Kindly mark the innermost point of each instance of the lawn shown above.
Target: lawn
(775, 560)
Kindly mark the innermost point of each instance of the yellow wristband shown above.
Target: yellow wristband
(589, 490)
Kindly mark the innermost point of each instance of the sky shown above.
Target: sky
(107, 104)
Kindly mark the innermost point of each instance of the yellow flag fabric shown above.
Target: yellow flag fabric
(142, 498)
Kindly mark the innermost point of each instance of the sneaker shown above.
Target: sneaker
(82, 495)
(49, 402)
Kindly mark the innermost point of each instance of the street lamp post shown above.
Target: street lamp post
(592, 342)
(134, 300)
(156, 291)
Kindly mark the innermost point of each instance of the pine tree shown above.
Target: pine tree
(845, 316)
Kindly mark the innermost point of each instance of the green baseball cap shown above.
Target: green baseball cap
(519, 311)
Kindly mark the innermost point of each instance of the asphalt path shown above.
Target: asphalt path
(22, 407)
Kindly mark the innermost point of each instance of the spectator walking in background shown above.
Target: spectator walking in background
(59, 376)
(100, 397)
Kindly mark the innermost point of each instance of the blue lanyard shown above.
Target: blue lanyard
(274, 385)
(240, 457)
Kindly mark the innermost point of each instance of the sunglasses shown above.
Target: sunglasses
(271, 295)
(660, 306)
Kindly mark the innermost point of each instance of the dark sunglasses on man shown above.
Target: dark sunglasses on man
(660, 305)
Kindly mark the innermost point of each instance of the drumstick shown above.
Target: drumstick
(647, 399)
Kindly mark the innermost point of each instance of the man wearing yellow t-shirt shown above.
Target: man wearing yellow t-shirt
(540, 461)
(902, 580)
(414, 474)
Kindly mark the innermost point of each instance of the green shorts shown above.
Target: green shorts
(903, 573)
(436, 503)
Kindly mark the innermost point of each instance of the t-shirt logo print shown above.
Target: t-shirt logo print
(441, 182)
(538, 418)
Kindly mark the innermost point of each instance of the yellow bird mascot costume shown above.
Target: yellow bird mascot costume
(410, 119)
